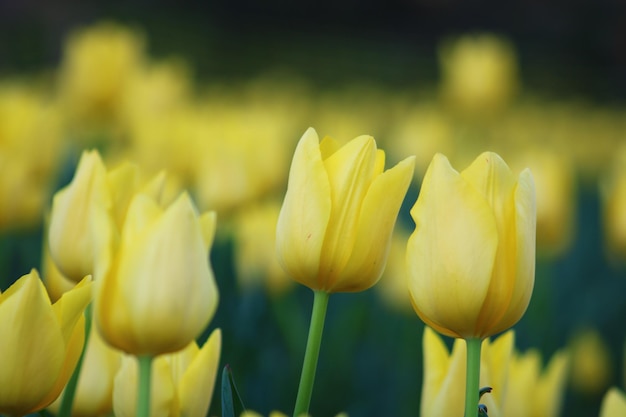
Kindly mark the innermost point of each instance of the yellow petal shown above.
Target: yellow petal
(375, 225)
(196, 388)
(305, 212)
(71, 244)
(162, 292)
(549, 390)
(32, 340)
(613, 403)
(350, 173)
(523, 376)
(493, 179)
(525, 232)
(208, 222)
(453, 223)
(162, 395)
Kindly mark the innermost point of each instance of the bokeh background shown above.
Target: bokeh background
(218, 93)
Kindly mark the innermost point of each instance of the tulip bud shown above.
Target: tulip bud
(41, 343)
(471, 258)
(335, 225)
(182, 383)
(157, 291)
(71, 241)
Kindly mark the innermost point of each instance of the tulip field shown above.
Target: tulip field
(184, 238)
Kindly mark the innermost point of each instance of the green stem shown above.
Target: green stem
(305, 389)
(472, 377)
(70, 388)
(143, 391)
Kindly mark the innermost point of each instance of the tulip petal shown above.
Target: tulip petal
(548, 391)
(377, 218)
(195, 390)
(71, 216)
(162, 395)
(451, 253)
(305, 212)
(613, 403)
(350, 172)
(208, 222)
(33, 344)
(493, 179)
(525, 224)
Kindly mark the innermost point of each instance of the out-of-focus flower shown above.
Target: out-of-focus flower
(392, 284)
(335, 225)
(613, 403)
(423, 131)
(471, 258)
(479, 73)
(520, 388)
(613, 192)
(255, 249)
(42, 342)
(155, 291)
(443, 387)
(94, 392)
(531, 392)
(182, 383)
(29, 154)
(591, 368)
(555, 185)
(93, 195)
(98, 65)
(70, 236)
(241, 153)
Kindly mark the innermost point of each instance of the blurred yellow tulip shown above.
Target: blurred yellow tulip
(592, 367)
(71, 238)
(182, 382)
(471, 258)
(531, 392)
(335, 225)
(255, 249)
(93, 195)
(479, 74)
(443, 386)
(41, 343)
(520, 388)
(155, 291)
(98, 65)
(613, 193)
(613, 403)
(94, 392)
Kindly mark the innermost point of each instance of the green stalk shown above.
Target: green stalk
(70, 388)
(472, 377)
(305, 389)
(143, 391)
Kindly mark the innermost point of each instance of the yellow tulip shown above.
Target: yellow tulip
(443, 388)
(613, 403)
(531, 392)
(592, 366)
(155, 291)
(94, 195)
(182, 383)
(335, 225)
(70, 237)
(41, 343)
(520, 388)
(255, 256)
(94, 392)
(471, 258)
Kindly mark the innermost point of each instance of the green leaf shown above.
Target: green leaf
(228, 387)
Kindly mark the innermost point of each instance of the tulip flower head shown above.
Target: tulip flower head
(335, 225)
(471, 258)
(41, 343)
(155, 291)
